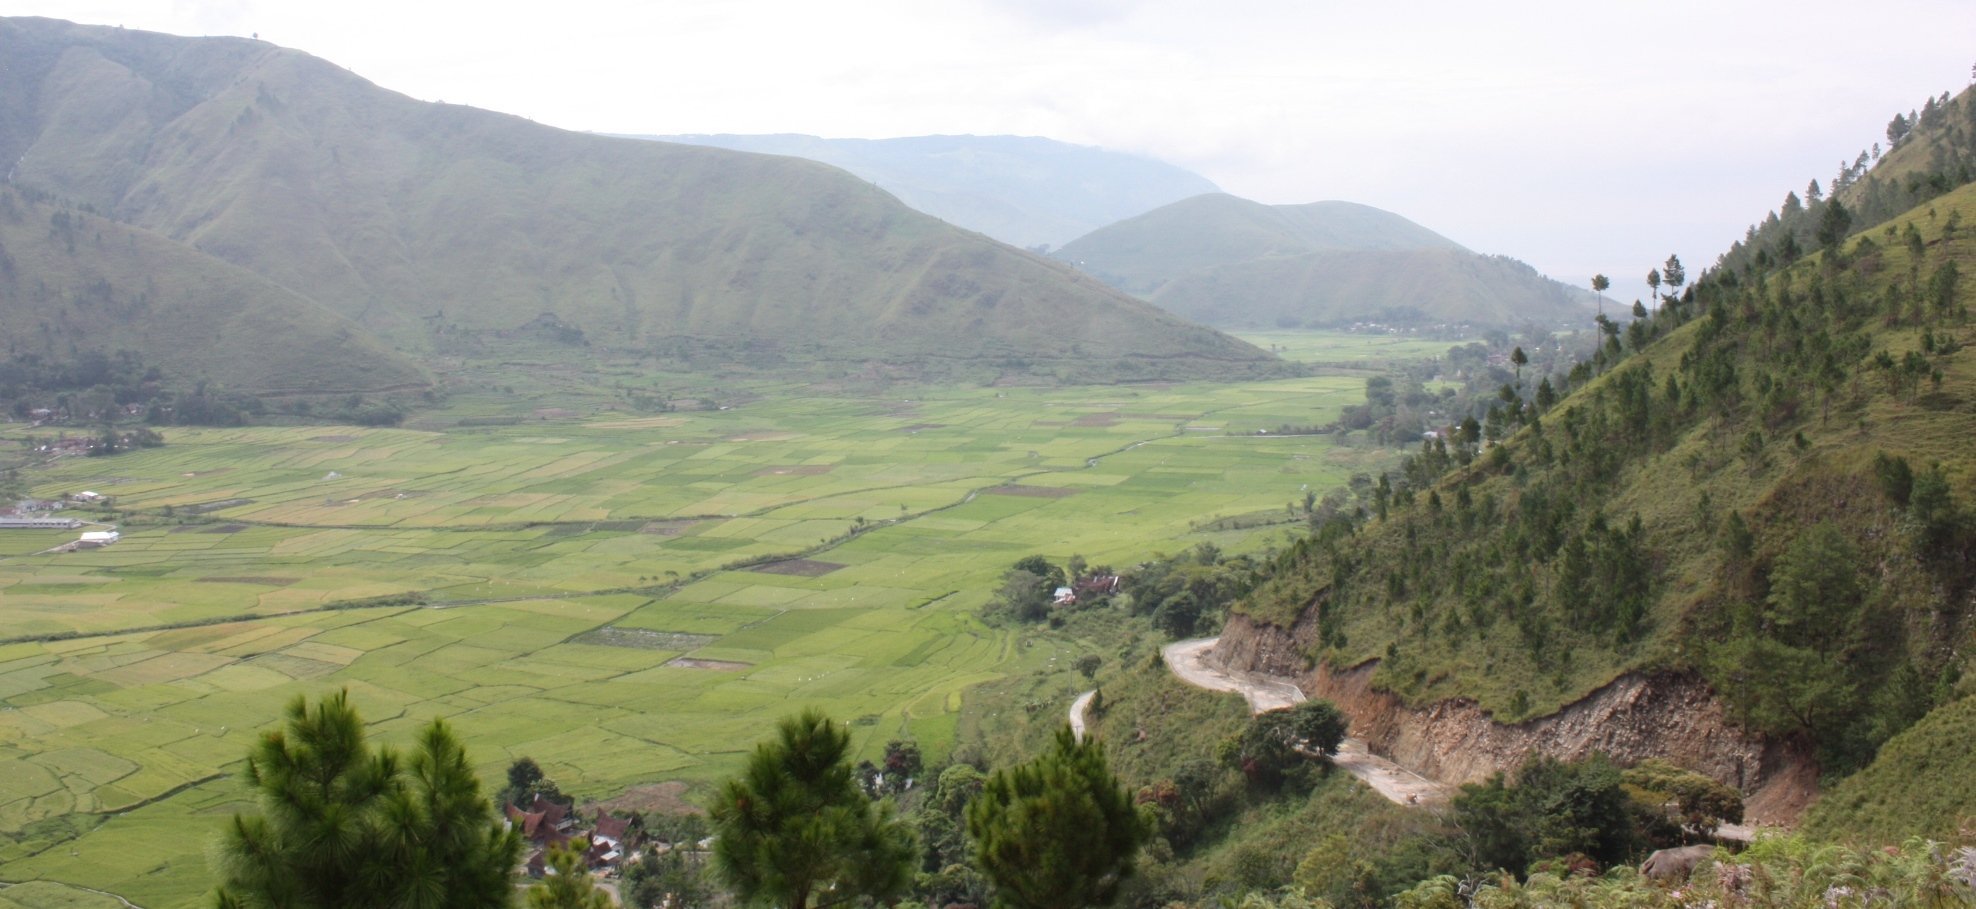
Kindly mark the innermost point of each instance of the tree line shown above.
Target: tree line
(343, 823)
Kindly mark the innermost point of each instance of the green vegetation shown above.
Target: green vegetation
(568, 884)
(342, 826)
(795, 829)
(1915, 787)
(1282, 749)
(1231, 262)
(1057, 832)
(1776, 873)
(93, 310)
(1708, 501)
(612, 592)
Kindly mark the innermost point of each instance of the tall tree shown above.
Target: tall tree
(1599, 285)
(344, 826)
(1653, 281)
(1058, 832)
(1833, 224)
(1673, 274)
(794, 830)
(568, 884)
(1519, 359)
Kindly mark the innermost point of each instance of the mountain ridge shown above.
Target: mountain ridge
(413, 219)
(1232, 262)
(1027, 191)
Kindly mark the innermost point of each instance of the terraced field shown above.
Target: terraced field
(626, 598)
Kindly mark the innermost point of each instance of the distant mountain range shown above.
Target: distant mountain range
(323, 203)
(1233, 263)
(1021, 190)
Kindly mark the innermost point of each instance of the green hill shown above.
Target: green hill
(1140, 255)
(418, 220)
(1404, 286)
(1235, 263)
(72, 281)
(1918, 786)
(1767, 483)
(1022, 190)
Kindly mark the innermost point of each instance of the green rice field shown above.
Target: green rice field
(627, 598)
(1347, 349)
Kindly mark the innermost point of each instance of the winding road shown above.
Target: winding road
(1187, 660)
(1078, 713)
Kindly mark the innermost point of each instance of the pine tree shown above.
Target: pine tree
(568, 885)
(795, 831)
(344, 826)
(1058, 832)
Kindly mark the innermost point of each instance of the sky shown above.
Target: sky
(1581, 136)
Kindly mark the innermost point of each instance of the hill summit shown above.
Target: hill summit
(1026, 191)
(1232, 262)
(419, 221)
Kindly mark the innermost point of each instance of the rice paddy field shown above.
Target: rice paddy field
(627, 598)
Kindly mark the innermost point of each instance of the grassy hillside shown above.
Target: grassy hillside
(72, 281)
(422, 220)
(1918, 786)
(1142, 254)
(1235, 263)
(1022, 190)
(1343, 286)
(1768, 482)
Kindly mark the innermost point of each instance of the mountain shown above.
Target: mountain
(1754, 511)
(1022, 190)
(73, 281)
(1140, 255)
(1231, 262)
(1405, 286)
(418, 220)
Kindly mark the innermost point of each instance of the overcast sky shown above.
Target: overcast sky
(1580, 136)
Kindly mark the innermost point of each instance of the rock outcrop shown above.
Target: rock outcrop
(1673, 716)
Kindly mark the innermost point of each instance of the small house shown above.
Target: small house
(97, 539)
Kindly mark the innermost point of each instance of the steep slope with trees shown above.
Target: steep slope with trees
(1232, 262)
(1765, 484)
(420, 220)
(1022, 190)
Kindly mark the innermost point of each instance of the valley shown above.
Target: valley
(784, 510)
(623, 596)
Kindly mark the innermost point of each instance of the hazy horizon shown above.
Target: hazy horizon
(1586, 139)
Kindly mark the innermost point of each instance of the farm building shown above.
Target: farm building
(37, 522)
(97, 539)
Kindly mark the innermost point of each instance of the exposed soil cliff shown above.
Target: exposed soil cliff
(1636, 716)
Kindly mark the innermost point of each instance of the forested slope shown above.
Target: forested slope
(1766, 482)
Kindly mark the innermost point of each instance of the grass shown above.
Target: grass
(1362, 350)
(528, 540)
(1153, 726)
(1918, 786)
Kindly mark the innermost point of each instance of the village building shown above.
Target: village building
(37, 522)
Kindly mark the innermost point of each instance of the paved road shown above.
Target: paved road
(1078, 710)
(1187, 660)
